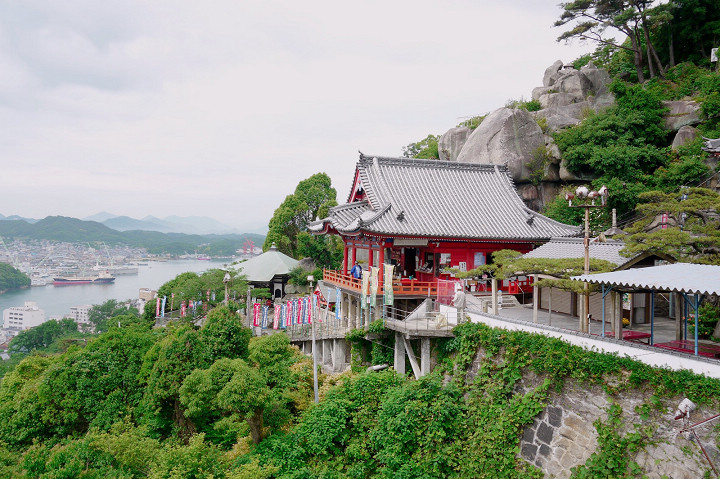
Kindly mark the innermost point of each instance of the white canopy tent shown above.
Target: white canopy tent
(692, 281)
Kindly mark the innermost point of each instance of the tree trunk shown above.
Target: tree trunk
(255, 421)
(185, 426)
(647, 52)
(637, 57)
(671, 47)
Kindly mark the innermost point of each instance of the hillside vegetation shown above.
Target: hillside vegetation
(10, 278)
(211, 402)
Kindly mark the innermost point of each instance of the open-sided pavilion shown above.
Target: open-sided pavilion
(689, 282)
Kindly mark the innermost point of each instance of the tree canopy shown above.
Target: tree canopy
(11, 278)
(287, 228)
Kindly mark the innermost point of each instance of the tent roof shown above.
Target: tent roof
(679, 277)
(262, 268)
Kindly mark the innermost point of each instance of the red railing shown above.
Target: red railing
(413, 287)
(401, 287)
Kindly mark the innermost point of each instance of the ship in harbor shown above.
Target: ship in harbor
(103, 278)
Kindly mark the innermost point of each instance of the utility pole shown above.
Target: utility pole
(582, 193)
(310, 278)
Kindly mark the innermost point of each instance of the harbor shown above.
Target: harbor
(57, 301)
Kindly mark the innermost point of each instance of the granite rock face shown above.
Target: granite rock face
(551, 73)
(452, 141)
(685, 135)
(681, 113)
(506, 135)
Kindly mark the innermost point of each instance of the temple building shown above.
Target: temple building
(428, 218)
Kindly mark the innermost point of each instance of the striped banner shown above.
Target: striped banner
(256, 314)
(276, 319)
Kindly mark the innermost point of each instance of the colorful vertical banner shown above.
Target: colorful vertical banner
(276, 319)
(264, 323)
(364, 285)
(388, 293)
(296, 311)
(157, 307)
(338, 303)
(162, 307)
(314, 316)
(182, 309)
(288, 313)
(256, 314)
(374, 271)
(283, 316)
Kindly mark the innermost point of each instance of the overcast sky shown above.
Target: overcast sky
(219, 108)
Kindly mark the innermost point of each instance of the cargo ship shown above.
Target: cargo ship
(103, 278)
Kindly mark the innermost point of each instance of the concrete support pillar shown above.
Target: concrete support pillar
(494, 305)
(339, 352)
(536, 294)
(424, 356)
(326, 351)
(411, 356)
(399, 356)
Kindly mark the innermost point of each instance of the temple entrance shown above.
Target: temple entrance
(409, 266)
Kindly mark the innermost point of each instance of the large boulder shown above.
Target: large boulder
(551, 100)
(452, 141)
(506, 135)
(575, 83)
(599, 78)
(685, 135)
(537, 92)
(551, 72)
(681, 113)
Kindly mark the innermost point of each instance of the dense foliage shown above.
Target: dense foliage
(212, 402)
(288, 227)
(10, 278)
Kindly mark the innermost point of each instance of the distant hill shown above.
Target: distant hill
(100, 217)
(73, 230)
(125, 223)
(172, 224)
(16, 217)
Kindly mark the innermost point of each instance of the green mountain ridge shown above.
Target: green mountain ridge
(73, 230)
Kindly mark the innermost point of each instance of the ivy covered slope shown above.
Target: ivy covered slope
(211, 402)
(501, 405)
(10, 278)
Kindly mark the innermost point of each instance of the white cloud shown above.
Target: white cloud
(220, 108)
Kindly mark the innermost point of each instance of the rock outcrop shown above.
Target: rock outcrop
(685, 135)
(506, 135)
(681, 113)
(451, 143)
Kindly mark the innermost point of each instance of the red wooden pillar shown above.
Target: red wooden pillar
(354, 255)
(345, 259)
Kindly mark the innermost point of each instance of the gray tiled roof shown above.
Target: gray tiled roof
(565, 248)
(711, 145)
(440, 199)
